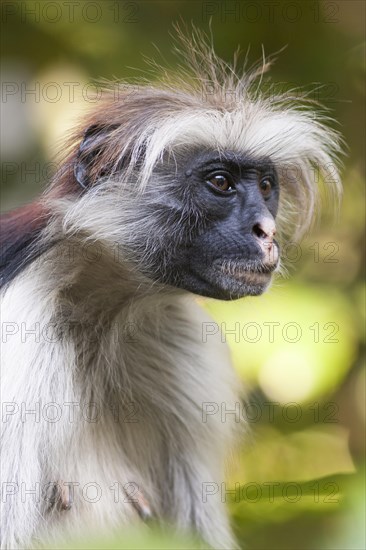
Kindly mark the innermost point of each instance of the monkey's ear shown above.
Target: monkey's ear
(89, 159)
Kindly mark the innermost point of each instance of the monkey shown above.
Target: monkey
(181, 187)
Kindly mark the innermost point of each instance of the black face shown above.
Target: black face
(220, 212)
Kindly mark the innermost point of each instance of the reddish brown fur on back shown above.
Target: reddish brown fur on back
(19, 231)
(24, 219)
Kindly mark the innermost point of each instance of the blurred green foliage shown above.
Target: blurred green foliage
(307, 378)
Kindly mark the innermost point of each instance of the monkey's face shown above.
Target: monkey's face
(219, 216)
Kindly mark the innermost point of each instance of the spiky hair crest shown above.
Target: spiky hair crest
(207, 102)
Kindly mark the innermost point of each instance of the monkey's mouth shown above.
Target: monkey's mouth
(251, 273)
(229, 279)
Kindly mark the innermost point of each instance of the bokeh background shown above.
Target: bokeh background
(300, 348)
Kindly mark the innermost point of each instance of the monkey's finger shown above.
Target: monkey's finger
(141, 505)
(61, 498)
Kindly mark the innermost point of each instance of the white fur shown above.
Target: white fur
(169, 453)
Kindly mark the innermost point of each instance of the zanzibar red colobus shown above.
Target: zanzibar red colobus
(167, 190)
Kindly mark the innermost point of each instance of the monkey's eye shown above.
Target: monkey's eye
(265, 185)
(221, 182)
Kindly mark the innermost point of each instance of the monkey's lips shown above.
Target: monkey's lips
(229, 279)
(236, 278)
(247, 272)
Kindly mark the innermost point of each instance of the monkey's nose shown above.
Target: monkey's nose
(265, 229)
